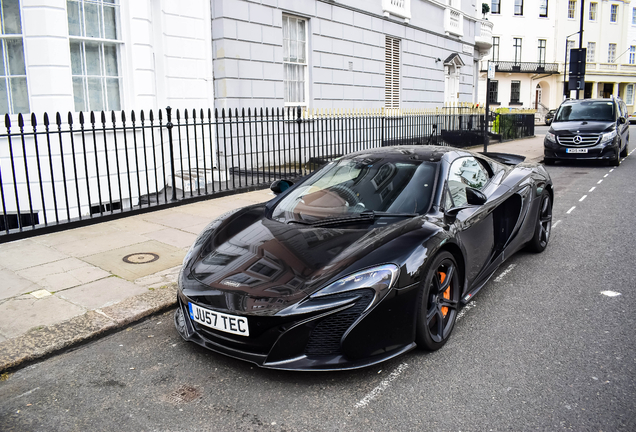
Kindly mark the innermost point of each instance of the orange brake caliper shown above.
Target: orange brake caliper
(446, 294)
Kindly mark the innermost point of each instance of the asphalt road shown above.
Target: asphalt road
(540, 348)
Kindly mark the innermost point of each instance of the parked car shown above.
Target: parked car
(549, 116)
(367, 258)
(588, 129)
(632, 118)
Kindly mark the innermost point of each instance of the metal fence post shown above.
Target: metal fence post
(169, 125)
(299, 120)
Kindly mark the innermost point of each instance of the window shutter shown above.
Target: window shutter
(392, 73)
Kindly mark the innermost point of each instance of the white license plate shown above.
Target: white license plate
(219, 321)
(575, 150)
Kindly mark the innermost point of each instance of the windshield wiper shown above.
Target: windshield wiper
(365, 215)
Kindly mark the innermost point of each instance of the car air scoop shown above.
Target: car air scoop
(505, 158)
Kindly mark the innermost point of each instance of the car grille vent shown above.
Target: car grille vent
(326, 336)
(586, 140)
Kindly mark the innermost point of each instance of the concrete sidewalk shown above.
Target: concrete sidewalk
(60, 289)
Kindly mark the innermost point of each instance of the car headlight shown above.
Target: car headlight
(379, 278)
(609, 136)
(550, 137)
(188, 255)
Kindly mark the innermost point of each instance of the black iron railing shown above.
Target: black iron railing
(526, 67)
(60, 172)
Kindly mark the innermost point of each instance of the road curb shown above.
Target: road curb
(39, 343)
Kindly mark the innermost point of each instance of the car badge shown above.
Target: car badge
(578, 139)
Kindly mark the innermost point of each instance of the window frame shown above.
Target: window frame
(629, 94)
(593, 11)
(518, 8)
(542, 50)
(7, 76)
(591, 52)
(543, 8)
(495, 48)
(305, 102)
(493, 92)
(634, 16)
(498, 8)
(611, 53)
(613, 13)
(632, 54)
(517, 49)
(513, 84)
(572, 9)
(102, 41)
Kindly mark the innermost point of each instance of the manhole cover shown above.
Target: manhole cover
(140, 258)
(184, 393)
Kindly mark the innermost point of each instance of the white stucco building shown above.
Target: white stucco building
(82, 55)
(529, 48)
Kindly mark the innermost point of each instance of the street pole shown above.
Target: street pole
(565, 70)
(490, 72)
(581, 35)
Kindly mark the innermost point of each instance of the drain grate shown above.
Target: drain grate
(140, 258)
(185, 394)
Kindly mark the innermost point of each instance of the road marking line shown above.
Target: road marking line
(382, 386)
(582, 198)
(466, 308)
(599, 182)
(592, 189)
(27, 393)
(605, 175)
(610, 293)
(508, 270)
(610, 171)
(556, 223)
(570, 211)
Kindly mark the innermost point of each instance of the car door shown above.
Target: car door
(474, 224)
(623, 126)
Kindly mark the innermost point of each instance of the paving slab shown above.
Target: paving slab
(22, 313)
(75, 234)
(63, 274)
(91, 245)
(112, 261)
(12, 284)
(135, 224)
(27, 253)
(174, 219)
(173, 237)
(101, 293)
(43, 341)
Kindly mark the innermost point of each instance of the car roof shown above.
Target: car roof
(429, 153)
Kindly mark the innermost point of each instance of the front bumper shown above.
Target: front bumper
(606, 151)
(332, 340)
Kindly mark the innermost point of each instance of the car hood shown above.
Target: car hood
(575, 127)
(258, 266)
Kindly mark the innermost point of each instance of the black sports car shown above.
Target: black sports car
(365, 259)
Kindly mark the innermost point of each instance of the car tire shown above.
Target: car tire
(617, 160)
(543, 227)
(548, 161)
(625, 150)
(438, 302)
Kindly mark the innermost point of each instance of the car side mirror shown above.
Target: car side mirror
(622, 120)
(280, 186)
(475, 197)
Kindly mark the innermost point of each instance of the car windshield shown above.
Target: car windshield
(586, 111)
(364, 183)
